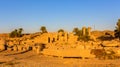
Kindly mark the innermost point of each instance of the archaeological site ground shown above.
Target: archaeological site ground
(79, 48)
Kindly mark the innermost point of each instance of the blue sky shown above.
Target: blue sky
(57, 14)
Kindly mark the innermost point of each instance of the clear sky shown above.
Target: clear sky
(57, 14)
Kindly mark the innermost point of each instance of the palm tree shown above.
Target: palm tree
(20, 29)
(43, 29)
(12, 34)
(20, 32)
(15, 32)
(117, 30)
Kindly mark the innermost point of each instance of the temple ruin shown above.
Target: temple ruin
(61, 44)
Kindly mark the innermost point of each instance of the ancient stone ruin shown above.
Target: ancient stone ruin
(62, 44)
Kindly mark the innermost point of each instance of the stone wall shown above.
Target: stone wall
(2, 43)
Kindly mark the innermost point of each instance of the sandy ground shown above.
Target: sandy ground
(31, 59)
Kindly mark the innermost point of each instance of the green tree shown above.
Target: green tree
(16, 33)
(79, 33)
(60, 30)
(43, 29)
(20, 32)
(76, 31)
(117, 30)
(12, 34)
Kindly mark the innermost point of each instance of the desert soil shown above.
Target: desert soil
(31, 59)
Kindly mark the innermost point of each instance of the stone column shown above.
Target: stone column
(66, 37)
(38, 49)
(19, 48)
(34, 48)
(56, 37)
(15, 48)
(83, 30)
(89, 31)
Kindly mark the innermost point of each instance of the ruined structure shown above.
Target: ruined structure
(61, 44)
(2, 44)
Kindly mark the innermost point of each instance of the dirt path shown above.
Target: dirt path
(31, 59)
